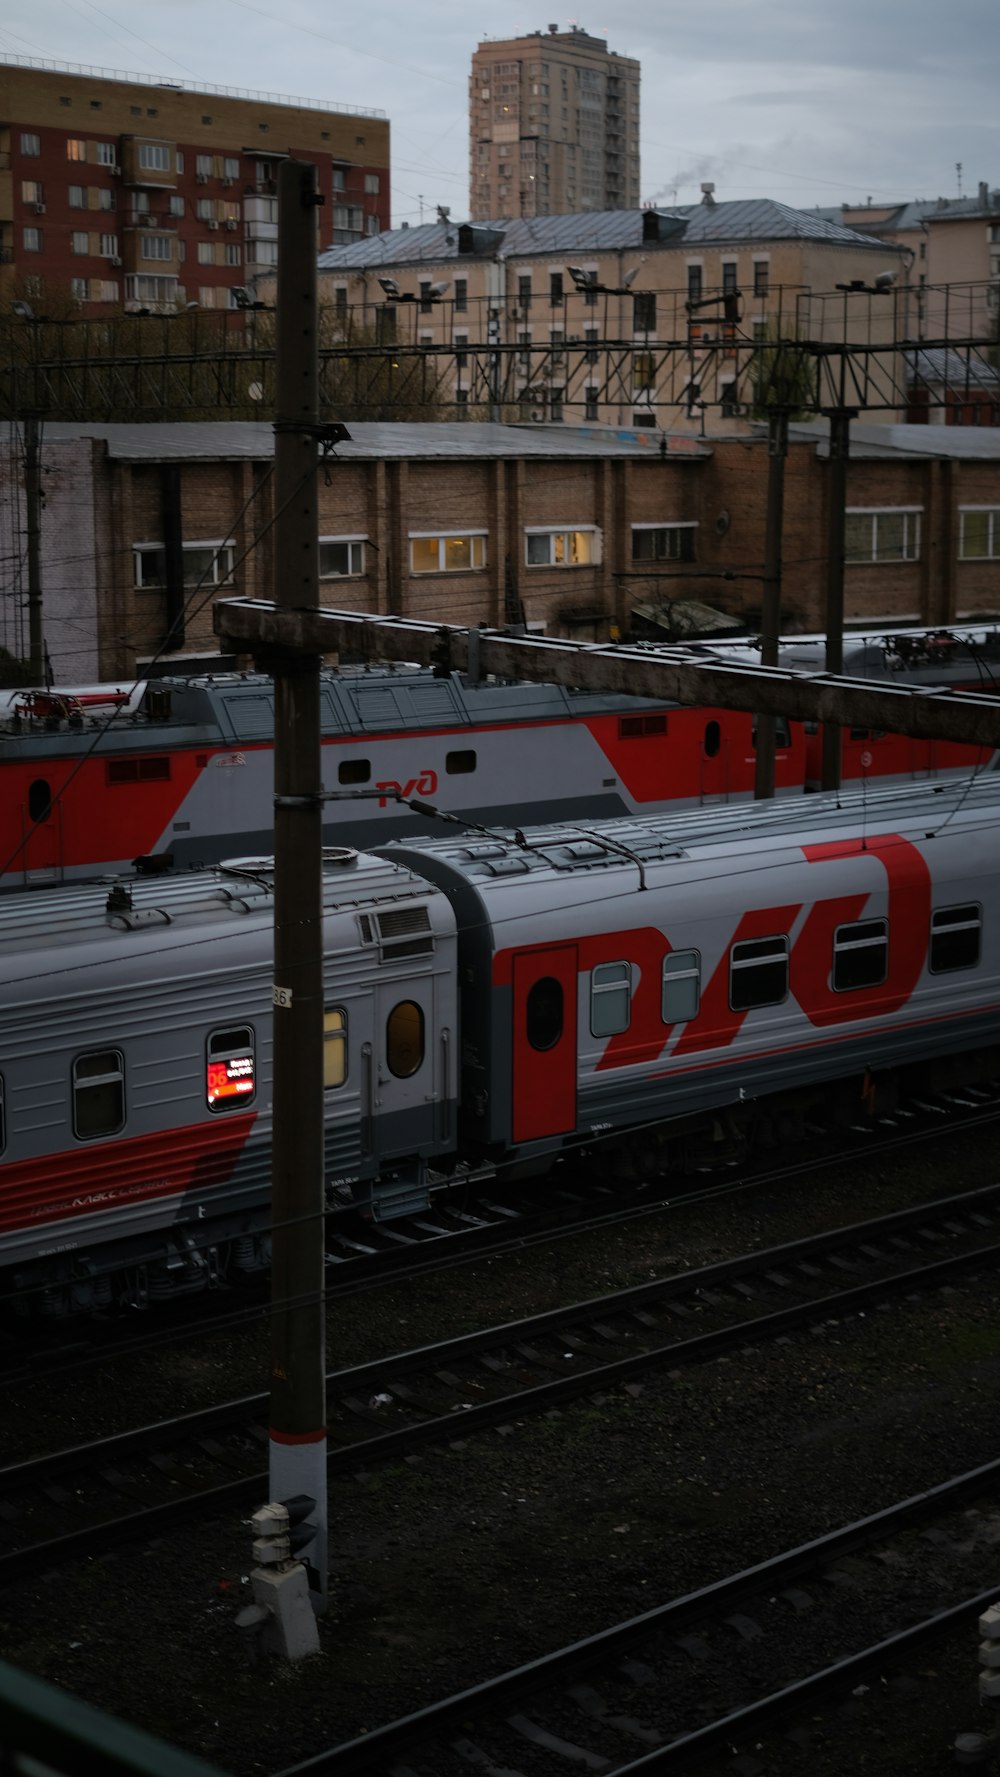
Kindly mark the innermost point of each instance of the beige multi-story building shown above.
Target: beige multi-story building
(954, 249)
(553, 125)
(639, 318)
(121, 190)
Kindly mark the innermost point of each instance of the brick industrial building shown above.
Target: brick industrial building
(568, 531)
(553, 126)
(118, 190)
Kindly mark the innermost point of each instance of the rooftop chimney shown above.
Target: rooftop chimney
(708, 195)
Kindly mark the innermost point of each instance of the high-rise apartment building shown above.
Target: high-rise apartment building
(554, 126)
(118, 190)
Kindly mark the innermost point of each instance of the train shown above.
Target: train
(646, 993)
(178, 772)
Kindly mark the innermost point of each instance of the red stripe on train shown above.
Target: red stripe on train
(133, 1170)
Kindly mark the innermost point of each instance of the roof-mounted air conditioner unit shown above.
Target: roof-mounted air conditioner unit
(231, 222)
(201, 178)
(116, 259)
(39, 209)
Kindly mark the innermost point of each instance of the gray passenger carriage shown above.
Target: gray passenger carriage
(135, 1069)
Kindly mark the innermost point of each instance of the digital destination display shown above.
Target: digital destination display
(230, 1079)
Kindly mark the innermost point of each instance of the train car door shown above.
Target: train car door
(406, 1079)
(40, 857)
(544, 1043)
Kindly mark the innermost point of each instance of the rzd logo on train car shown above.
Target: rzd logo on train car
(423, 785)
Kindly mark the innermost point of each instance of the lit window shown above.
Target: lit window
(76, 149)
(404, 1039)
(229, 1068)
(334, 1048)
(448, 553)
(563, 548)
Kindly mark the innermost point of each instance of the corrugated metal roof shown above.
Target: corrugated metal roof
(872, 440)
(237, 440)
(756, 219)
(940, 364)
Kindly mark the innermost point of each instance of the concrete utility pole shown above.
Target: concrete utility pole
(33, 531)
(674, 673)
(298, 1345)
(770, 616)
(840, 448)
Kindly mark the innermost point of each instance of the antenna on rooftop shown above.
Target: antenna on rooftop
(958, 171)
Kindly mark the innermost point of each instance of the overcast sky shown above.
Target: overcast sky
(807, 101)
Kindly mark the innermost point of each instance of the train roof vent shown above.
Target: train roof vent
(405, 931)
(507, 867)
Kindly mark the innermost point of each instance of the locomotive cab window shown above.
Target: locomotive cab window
(758, 973)
(98, 1093)
(713, 738)
(782, 732)
(458, 764)
(610, 999)
(404, 1039)
(860, 954)
(229, 1068)
(544, 1013)
(956, 936)
(334, 1048)
(681, 986)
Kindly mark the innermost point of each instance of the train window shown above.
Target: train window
(354, 771)
(637, 727)
(782, 732)
(98, 1093)
(681, 986)
(713, 739)
(39, 799)
(404, 1039)
(610, 999)
(955, 938)
(3, 1120)
(229, 1068)
(544, 1013)
(758, 973)
(860, 954)
(334, 1048)
(152, 770)
(456, 764)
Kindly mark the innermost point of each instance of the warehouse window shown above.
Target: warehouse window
(610, 999)
(98, 1093)
(758, 973)
(979, 533)
(404, 1039)
(334, 1048)
(663, 542)
(681, 986)
(563, 548)
(447, 552)
(340, 558)
(229, 1069)
(873, 536)
(860, 954)
(205, 564)
(955, 938)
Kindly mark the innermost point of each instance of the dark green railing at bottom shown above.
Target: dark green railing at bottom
(44, 1732)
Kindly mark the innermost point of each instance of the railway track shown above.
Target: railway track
(475, 1217)
(707, 1672)
(147, 1482)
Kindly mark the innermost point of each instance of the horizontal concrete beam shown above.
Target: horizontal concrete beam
(258, 627)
